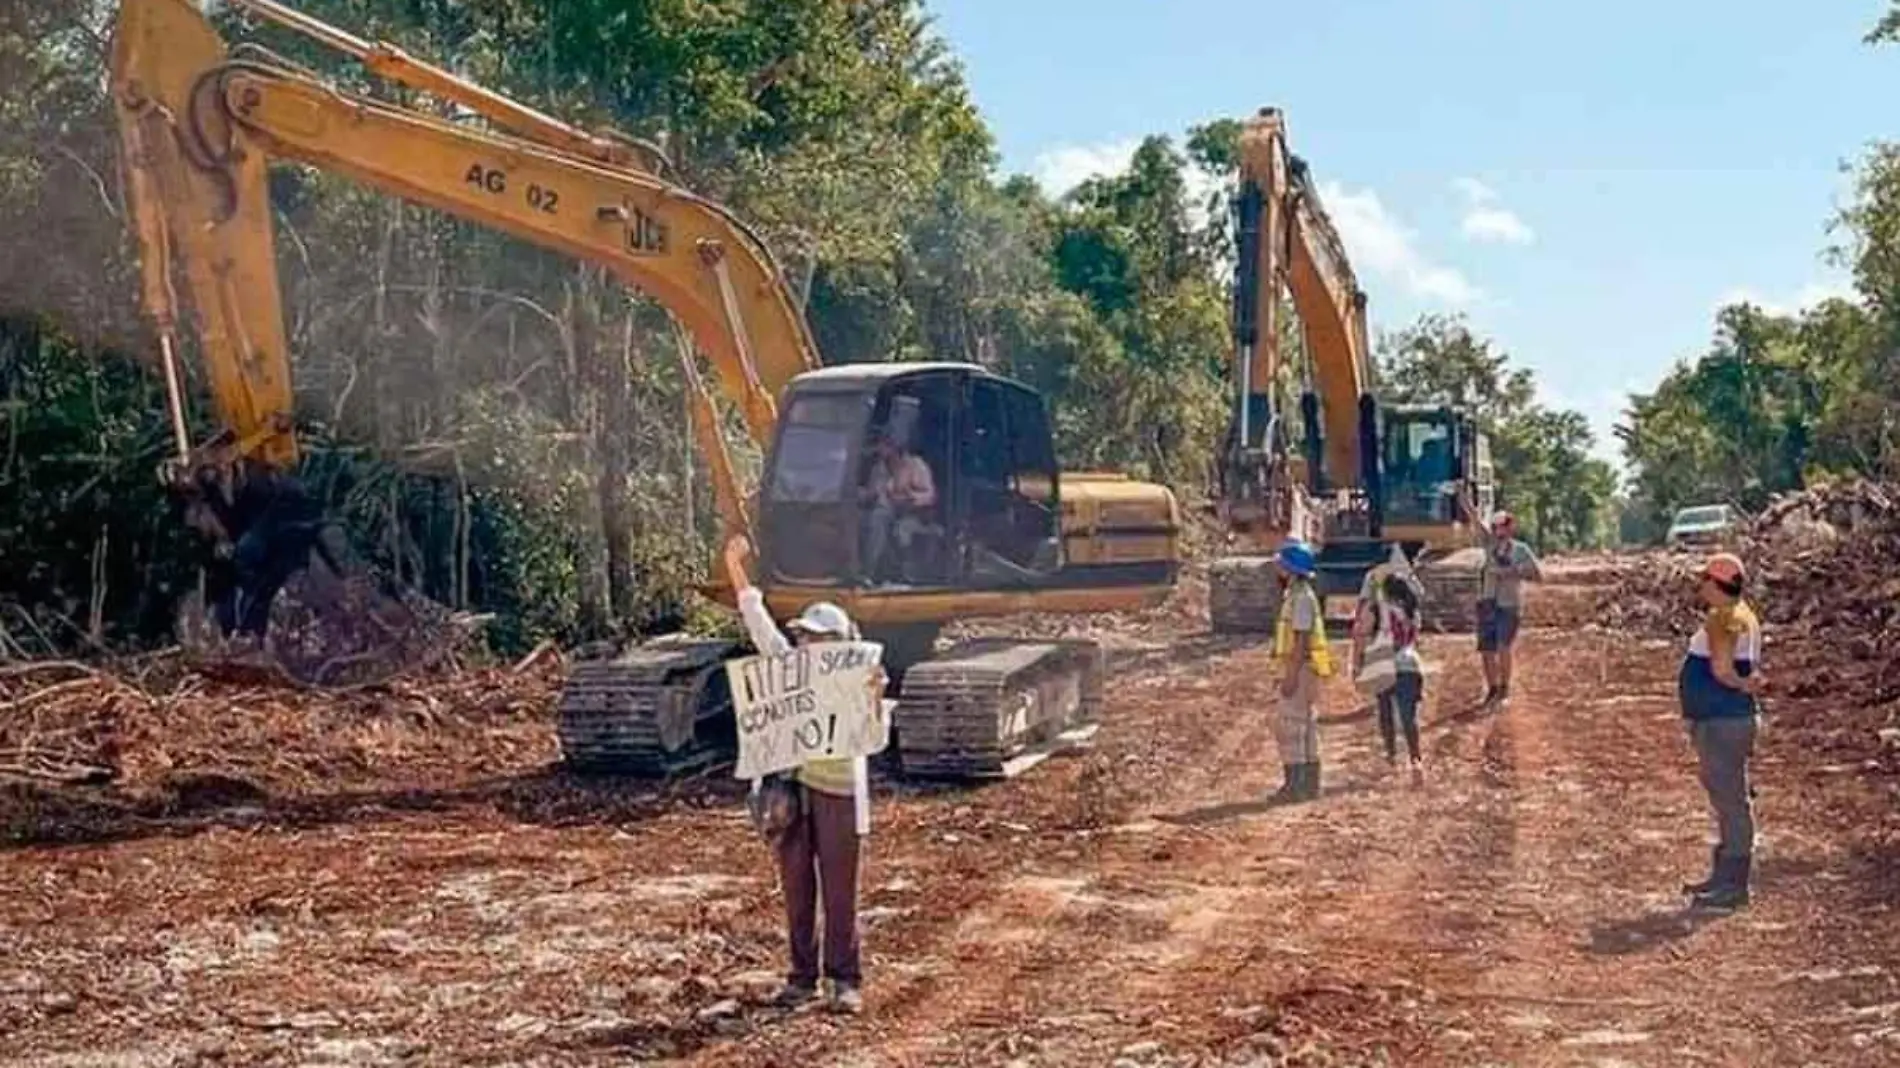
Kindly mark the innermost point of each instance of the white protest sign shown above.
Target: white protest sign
(816, 702)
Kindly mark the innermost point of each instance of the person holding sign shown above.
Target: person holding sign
(818, 847)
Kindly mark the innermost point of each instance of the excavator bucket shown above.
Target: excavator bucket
(329, 629)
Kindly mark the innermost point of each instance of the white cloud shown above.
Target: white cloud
(1496, 224)
(1064, 167)
(1821, 292)
(1487, 220)
(1808, 296)
(1474, 191)
(1379, 244)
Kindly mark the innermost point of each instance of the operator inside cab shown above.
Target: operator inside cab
(902, 494)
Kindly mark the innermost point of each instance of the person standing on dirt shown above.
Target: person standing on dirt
(1717, 685)
(1299, 645)
(819, 847)
(1392, 608)
(1508, 564)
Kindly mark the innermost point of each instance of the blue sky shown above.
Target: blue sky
(1586, 182)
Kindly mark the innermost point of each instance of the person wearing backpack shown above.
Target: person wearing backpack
(1388, 623)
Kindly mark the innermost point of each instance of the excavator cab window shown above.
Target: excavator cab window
(814, 451)
(1009, 480)
(1421, 467)
(809, 508)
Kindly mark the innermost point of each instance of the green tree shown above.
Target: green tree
(1151, 402)
(1887, 30)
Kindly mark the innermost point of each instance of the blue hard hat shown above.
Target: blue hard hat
(1296, 557)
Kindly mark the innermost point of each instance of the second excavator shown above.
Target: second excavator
(1002, 529)
(1364, 476)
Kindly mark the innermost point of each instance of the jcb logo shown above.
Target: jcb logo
(645, 234)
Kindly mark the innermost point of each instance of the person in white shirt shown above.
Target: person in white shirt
(818, 851)
(902, 492)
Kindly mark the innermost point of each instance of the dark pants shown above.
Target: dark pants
(819, 852)
(1722, 724)
(1722, 749)
(1399, 706)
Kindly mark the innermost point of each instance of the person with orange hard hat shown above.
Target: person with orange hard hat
(1720, 678)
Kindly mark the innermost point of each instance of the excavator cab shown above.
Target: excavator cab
(911, 476)
(1429, 454)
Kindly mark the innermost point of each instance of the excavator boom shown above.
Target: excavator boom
(199, 131)
(1297, 248)
(207, 126)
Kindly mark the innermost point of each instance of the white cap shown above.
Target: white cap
(824, 618)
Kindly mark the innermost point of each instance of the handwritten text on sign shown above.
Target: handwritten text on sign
(813, 703)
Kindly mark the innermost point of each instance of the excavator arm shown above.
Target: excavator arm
(1288, 243)
(200, 128)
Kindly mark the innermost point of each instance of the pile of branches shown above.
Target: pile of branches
(1825, 575)
(143, 734)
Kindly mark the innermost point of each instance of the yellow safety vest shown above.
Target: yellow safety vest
(1319, 657)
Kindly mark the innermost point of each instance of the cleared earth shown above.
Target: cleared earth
(432, 891)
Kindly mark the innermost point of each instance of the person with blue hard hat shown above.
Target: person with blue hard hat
(1299, 645)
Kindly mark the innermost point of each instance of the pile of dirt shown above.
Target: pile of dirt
(82, 747)
(1825, 574)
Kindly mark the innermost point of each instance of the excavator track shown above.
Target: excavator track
(992, 707)
(1452, 582)
(656, 710)
(1243, 595)
(1451, 601)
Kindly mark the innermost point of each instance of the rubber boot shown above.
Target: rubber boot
(1708, 884)
(1309, 786)
(1289, 790)
(1731, 887)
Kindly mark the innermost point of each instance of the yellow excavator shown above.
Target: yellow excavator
(1006, 531)
(1365, 476)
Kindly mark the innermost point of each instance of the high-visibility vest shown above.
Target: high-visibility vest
(1319, 657)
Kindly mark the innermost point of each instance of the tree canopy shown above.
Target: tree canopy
(1543, 464)
(1781, 400)
(506, 428)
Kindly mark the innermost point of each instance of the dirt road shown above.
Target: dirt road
(1133, 905)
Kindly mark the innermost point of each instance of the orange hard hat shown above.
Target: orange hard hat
(1725, 568)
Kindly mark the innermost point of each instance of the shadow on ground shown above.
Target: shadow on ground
(191, 803)
(1230, 811)
(1661, 927)
(1652, 930)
